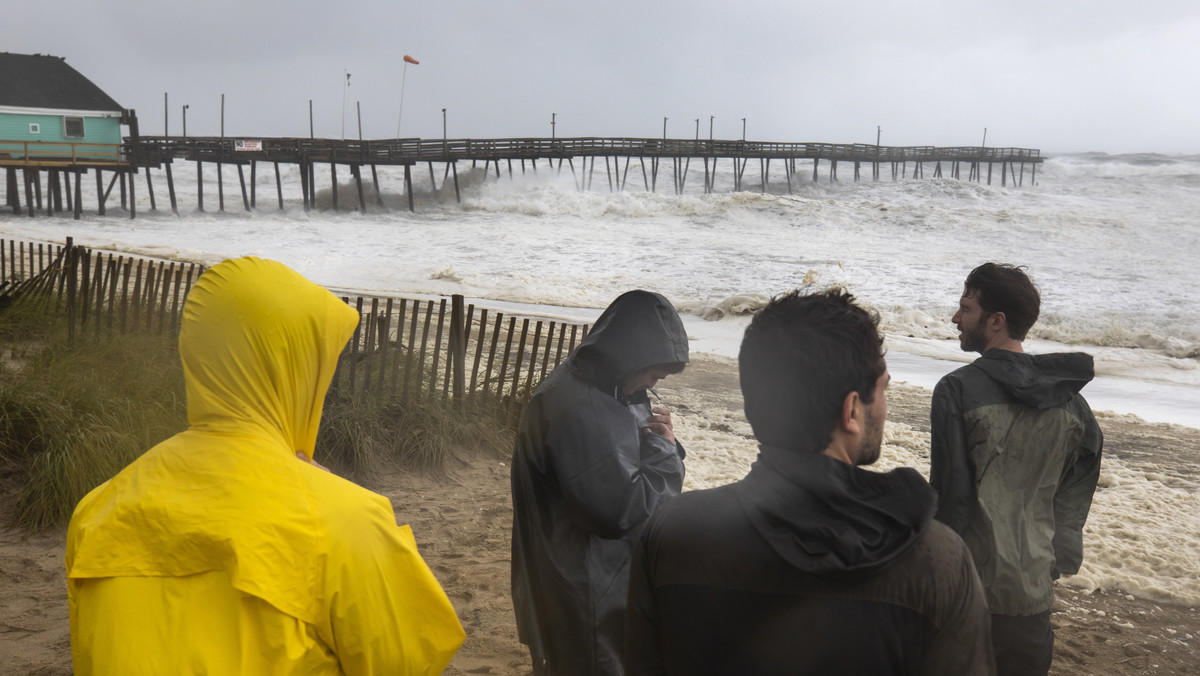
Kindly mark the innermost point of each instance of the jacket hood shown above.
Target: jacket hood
(829, 518)
(638, 330)
(259, 344)
(1039, 380)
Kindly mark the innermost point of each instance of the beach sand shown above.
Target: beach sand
(463, 522)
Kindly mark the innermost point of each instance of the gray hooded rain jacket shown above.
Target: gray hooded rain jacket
(584, 481)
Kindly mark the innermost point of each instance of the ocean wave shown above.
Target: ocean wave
(735, 305)
(448, 274)
(1180, 344)
(1116, 335)
(1074, 172)
(1134, 159)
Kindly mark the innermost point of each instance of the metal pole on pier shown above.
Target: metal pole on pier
(875, 164)
(345, 85)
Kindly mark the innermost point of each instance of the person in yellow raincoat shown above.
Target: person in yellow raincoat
(225, 550)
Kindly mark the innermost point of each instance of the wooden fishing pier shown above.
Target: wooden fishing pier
(651, 159)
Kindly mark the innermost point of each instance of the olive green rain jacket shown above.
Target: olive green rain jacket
(1015, 457)
(219, 551)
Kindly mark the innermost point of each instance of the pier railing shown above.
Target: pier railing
(59, 153)
(157, 149)
(407, 348)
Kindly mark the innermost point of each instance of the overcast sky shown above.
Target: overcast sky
(1059, 75)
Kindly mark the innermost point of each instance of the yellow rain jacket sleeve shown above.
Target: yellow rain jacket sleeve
(220, 552)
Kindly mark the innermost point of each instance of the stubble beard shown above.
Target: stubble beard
(971, 339)
(870, 447)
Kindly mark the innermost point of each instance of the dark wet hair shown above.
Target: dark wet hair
(800, 357)
(999, 287)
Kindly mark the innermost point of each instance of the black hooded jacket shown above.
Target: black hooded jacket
(584, 480)
(806, 566)
(1015, 457)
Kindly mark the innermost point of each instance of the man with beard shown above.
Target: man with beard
(1015, 457)
(593, 458)
(809, 564)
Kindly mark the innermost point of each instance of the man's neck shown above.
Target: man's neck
(1000, 342)
(837, 452)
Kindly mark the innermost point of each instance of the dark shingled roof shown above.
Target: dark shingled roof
(43, 81)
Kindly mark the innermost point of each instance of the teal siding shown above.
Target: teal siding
(15, 127)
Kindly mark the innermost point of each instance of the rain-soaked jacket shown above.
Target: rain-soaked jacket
(808, 565)
(1015, 457)
(584, 480)
(219, 551)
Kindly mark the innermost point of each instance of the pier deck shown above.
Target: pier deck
(159, 152)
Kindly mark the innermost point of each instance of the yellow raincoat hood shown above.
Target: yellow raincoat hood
(259, 345)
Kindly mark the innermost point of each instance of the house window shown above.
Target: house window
(35, 128)
(73, 127)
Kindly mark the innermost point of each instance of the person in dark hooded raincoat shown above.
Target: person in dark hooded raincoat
(810, 564)
(592, 461)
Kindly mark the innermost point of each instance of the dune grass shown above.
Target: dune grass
(74, 414)
(362, 435)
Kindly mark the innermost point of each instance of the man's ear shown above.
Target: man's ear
(850, 420)
(997, 322)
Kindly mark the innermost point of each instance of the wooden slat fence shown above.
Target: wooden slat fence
(405, 348)
(411, 348)
(98, 292)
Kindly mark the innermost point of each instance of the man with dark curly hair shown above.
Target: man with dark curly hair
(1015, 456)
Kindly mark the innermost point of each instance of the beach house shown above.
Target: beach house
(50, 112)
